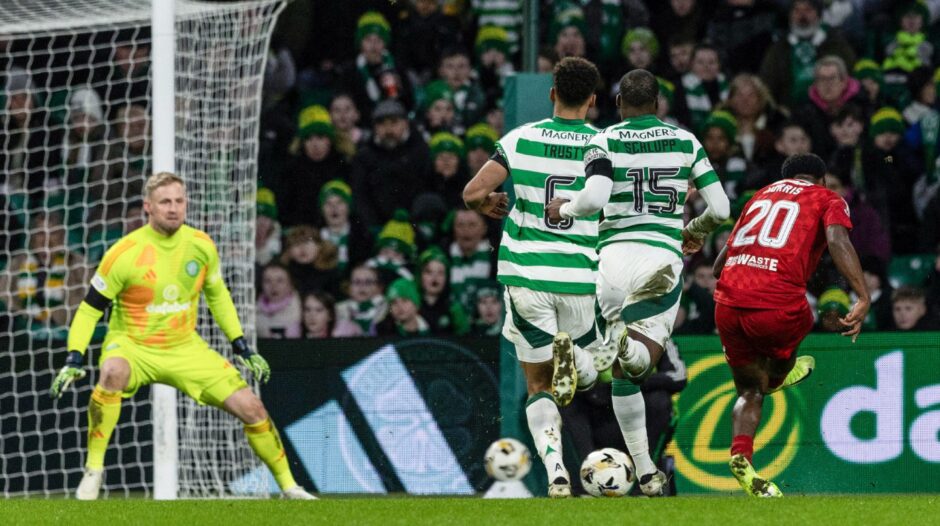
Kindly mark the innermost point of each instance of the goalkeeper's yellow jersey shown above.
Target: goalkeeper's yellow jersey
(154, 282)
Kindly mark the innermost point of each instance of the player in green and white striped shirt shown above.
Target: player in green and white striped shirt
(548, 267)
(639, 172)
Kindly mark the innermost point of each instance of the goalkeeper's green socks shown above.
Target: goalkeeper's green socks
(104, 409)
(266, 443)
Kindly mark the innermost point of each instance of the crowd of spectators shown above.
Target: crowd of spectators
(375, 114)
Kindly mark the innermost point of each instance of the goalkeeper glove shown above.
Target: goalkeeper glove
(69, 373)
(251, 360)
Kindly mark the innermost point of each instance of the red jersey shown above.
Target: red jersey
(776, 244)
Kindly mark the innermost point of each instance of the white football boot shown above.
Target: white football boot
(560, 488)
(652, 484)
(297, 493)
(90, 485)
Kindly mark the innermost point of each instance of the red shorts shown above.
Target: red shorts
(774, 333)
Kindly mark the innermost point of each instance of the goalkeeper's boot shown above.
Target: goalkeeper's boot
(90, 485)
(297, 493)
(753, 484)
(652, 484)
(564, 372)
(801, 370)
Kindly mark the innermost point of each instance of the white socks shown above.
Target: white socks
(545, 425)
(584, 363)
(630, 411)
(635, 359)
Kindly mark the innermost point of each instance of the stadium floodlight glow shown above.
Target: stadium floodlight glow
(82, 85)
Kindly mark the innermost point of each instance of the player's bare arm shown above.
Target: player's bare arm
(480, 193)
(846, 260)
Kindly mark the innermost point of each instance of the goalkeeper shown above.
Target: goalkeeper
(153, 278)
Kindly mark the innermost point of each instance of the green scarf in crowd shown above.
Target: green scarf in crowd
(803, 63)
(930, 133)
(700, 106)
(372, 87)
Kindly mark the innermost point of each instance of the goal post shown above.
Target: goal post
(93, 99)
(163, 91)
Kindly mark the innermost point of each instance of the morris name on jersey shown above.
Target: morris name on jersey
(776, 244)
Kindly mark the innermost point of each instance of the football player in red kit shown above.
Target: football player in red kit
(761, 309)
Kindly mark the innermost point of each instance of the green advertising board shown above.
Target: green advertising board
(525, 98)
(867, 420)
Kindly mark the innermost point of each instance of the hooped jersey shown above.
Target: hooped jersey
(776, 244)
(544, 160)
(653, 163)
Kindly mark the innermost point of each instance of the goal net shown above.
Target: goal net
(75, 149)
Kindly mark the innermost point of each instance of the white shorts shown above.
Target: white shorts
(533, 318)
(640, 285)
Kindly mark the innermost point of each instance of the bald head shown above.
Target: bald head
(639, 92)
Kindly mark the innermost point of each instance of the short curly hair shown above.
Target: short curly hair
(803, 164)
(575, 80)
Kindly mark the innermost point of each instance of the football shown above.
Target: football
(507, 459)
(607, 473)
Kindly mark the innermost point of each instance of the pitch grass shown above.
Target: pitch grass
(697, 511)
